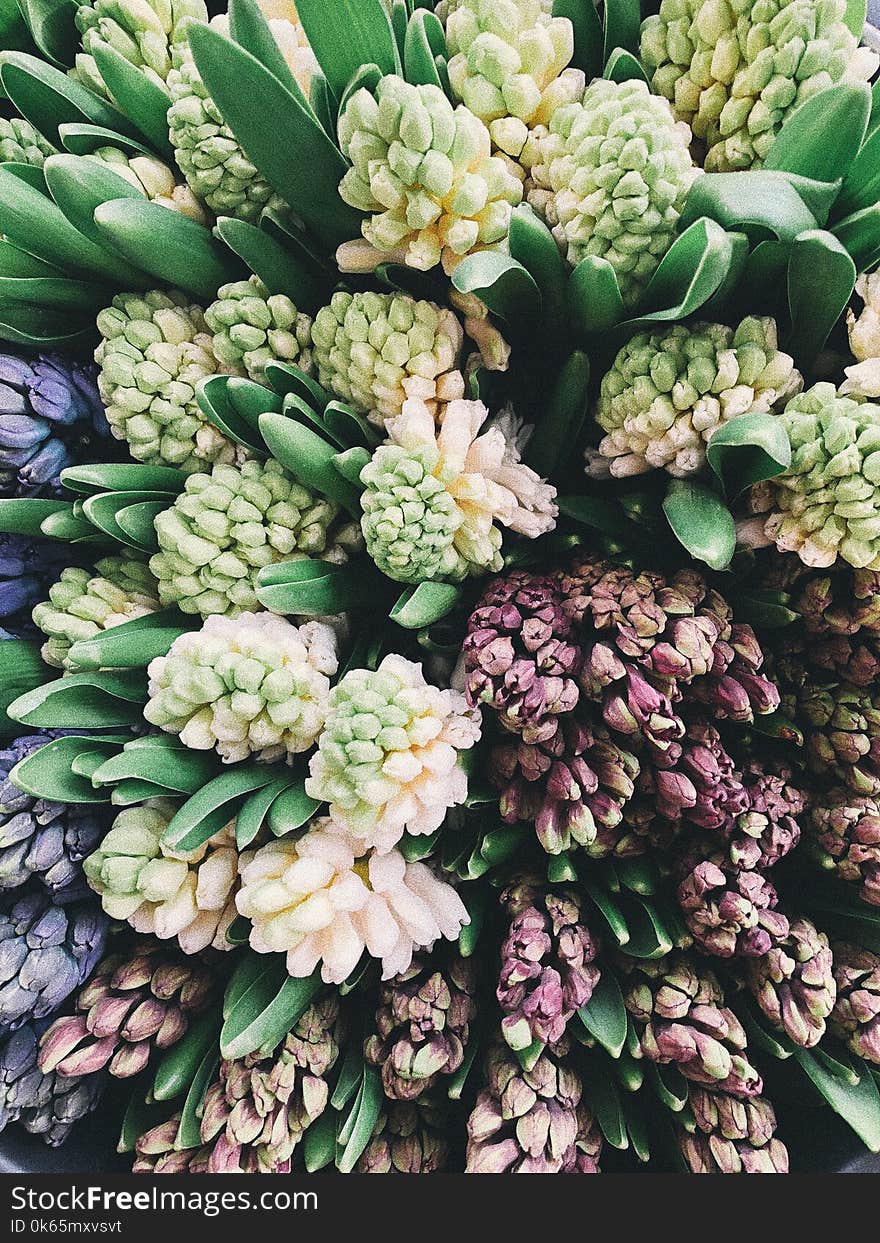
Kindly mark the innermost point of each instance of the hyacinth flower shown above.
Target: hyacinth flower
(28, 567)
(51, 416)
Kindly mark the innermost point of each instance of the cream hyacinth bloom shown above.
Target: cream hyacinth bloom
(170, 894)
(255, 685)
(863, 379)
(322, 902)
(388, 759)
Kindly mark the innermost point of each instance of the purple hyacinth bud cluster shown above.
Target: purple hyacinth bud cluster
(45, 1104)
(604, 685)
(730, 1136)
(794, 983)
(548, 969)
(40, 838)
(28, 568)
(51, 416)
(46, 951)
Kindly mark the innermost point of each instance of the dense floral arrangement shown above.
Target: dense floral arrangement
(440, 580)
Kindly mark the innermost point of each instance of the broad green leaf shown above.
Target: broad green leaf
(701, 522)
(133, 644)
(47, 97)
(609, 910)
(424, 604)
(761, 203)
(309, 458)
(670, 1086)
(561, 869)
(560, 426)
(250, 29)
(622, 66)
(79, 184)
(68, 526)
(821, 138)
(860, 234)
(279, 135)
(123, 477)
(747, 450)
(315, 588)
(137, 523)
(189, 1132)
(589, 36)
(60, 294)
(141, 99)
(83, 701)
(172, 767)
(764, 609)
(17, 263)
(593, 297)
(280, 270)
(247, 971)
(821, 279)
(365, 1116)
(48, 773)
(319, 1142)
(533, 245)
(286, 379)
(179, 1065)
(423, 34)
(604, 1015)
(78, 138)
(690, 273)
(30, 221)
(649, 936)
(603, 515)
(622, 21)
(855, 16)
(858, 1106)
(346, 34)
(601, 1094)
(167, 245)
(291, 809)
(102, 510)
(213, 804)
(141, 1116)
(221, 404)
(349, 1078)
(26, 515)
(21, 669)
(51, 26)
(253, 811)
(861, 186)
(266, 1011)
(507, 288)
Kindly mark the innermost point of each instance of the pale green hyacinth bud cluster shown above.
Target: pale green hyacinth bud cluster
(734, 70)
(145, 32)
(508, 63)
(226, 525)
(424, 173)
(610, 176)
(252, 327)
(188, 896)
(154, 179)
(863, 378)
(827, 504)
(156, 347)
(668, 392)
(210, 157)
(389, 758)
(84, 603)
(253, 686)
(20, 143)
(376, 350)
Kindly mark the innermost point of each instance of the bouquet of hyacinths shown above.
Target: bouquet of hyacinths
(440, 571)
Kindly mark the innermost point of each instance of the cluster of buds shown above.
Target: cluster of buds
(252, 327)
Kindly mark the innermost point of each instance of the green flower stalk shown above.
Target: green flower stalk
(389, 758)
(424, 174)
(376, 350)
(668, 392)
(145, 32)
(508, 63)
(20, 143)
(189, 896)
(226, 525)
(252, 327)
(83, 604)
(435, 500)
(209, 155)
(155, 349)
(735, 70)
(610, 176)
(827, 504)
(254, 686)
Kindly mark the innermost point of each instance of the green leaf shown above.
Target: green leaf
(291, 809)
(47, 97)
(26, 515)
(60, 294)
(855, 16)
(21, 669)
(622, 66)
(762, 203)
(747, 450)
(141, 98)
(221, 399)
(604, 1015)
(424, 37)
(189, 1132)
(167, 764)
(66, 525)
(123, 477)
(140, 1116)
(649, 936)
(171, 247)
(533, 245)
(253, 811)
(593, 297)
(279, 269)
(315, 588)
(247, 971)
(79, 184)
(506, 287)
(349, 1079)
(821, 138)
(561, 424)
(133, 644)
(670, 1086)
(858, 1106)
(589, 36)
(212, 807)
(278, 134)
(48, 773)
(346, 34)
(424, 604)
(83, 701)
(861, 185)
(361, 1122)
(601, 1093)
(764, 609)
(622, 21)
(103, 510)
(137, 523)
(180, 1063)
(609, 910)
(309, 458)
(690, 273)
(51, 26)
(319, 1142)
(821, 279)
(250, 29)
(266, 1012)
(701, 522)
(860, 234)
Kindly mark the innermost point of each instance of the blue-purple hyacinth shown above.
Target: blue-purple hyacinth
(50, 413)
(44, 1103)
(40, 838)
